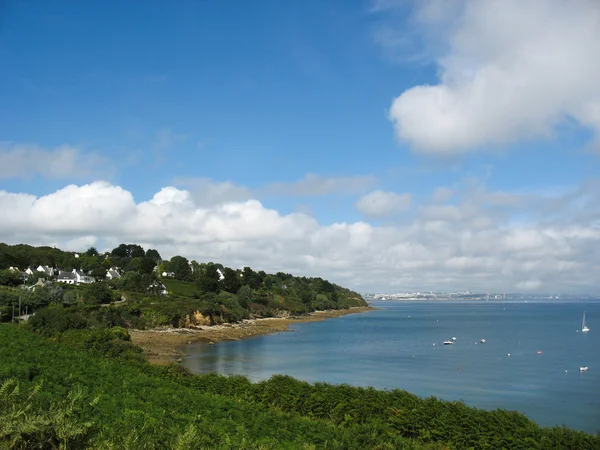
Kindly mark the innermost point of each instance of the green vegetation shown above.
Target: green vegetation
(102, 394)
(70, 377)
(116, 403)
(189, 293)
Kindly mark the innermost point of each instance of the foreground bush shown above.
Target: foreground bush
(118, 404)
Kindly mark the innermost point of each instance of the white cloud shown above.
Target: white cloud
(379, 204)
(28, 160)
(511, 70)
(207, 192)
(313, 184)
(469, 244)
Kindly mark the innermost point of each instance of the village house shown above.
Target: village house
(40, 283)
(47, 270)
(112, 274)
(74, 277)
(159, 287)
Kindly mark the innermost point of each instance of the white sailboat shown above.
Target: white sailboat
(584, 327)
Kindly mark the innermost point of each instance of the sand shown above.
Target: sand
(161, 345)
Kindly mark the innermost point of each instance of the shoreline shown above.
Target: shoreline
(161, 346)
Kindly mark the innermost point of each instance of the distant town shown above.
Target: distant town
(466, 295)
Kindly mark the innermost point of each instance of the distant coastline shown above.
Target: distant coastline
(162, 345)
(474, 297)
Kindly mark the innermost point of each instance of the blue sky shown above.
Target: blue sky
(305, 107)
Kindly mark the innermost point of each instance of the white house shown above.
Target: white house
(82, 278)
(28, 271)
(112, 274)
(168, 274)
(66, 277)
(47, 270)
(74, 277)
(158, 286)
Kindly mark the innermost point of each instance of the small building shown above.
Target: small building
(82, 278)
(66, 277)
(39, 284)
(112, 274)
(74, 277)
(159, 287)
(46, 270)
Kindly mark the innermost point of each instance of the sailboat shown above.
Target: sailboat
(584, 327)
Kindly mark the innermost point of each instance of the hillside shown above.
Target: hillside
(147, 291)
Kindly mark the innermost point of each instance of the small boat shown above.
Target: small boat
(448, 342)
(584, 327)
(483, 341)
(453, 338)
(583, 368)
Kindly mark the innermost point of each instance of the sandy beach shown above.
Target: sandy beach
(161, 345)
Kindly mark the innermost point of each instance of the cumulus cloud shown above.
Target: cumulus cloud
(28, 160)
(380, 204)
(471, 243)
(510, 70)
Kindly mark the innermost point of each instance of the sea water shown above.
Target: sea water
(529, 363)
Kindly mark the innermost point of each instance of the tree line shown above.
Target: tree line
(216, 292)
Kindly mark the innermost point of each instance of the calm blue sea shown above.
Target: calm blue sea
(393, 348)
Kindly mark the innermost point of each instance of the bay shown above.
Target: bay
(393, 347)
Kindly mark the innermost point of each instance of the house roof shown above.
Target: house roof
(66, 275)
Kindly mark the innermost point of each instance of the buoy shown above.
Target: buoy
(509, 355)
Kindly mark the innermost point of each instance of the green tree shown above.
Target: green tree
(244, 295)
(35, 298)
(70, 297)
(92, 251)
(55, 294)
(98, 293)
(211, 307)
(231, 281)
(147, 265)
(10, 278)
(120, 251)
(132, 281)
(128, 251)
(88, 263)
(251, 278)
(181, 268)
(208, 279)
(153, 254)
(99, 273)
